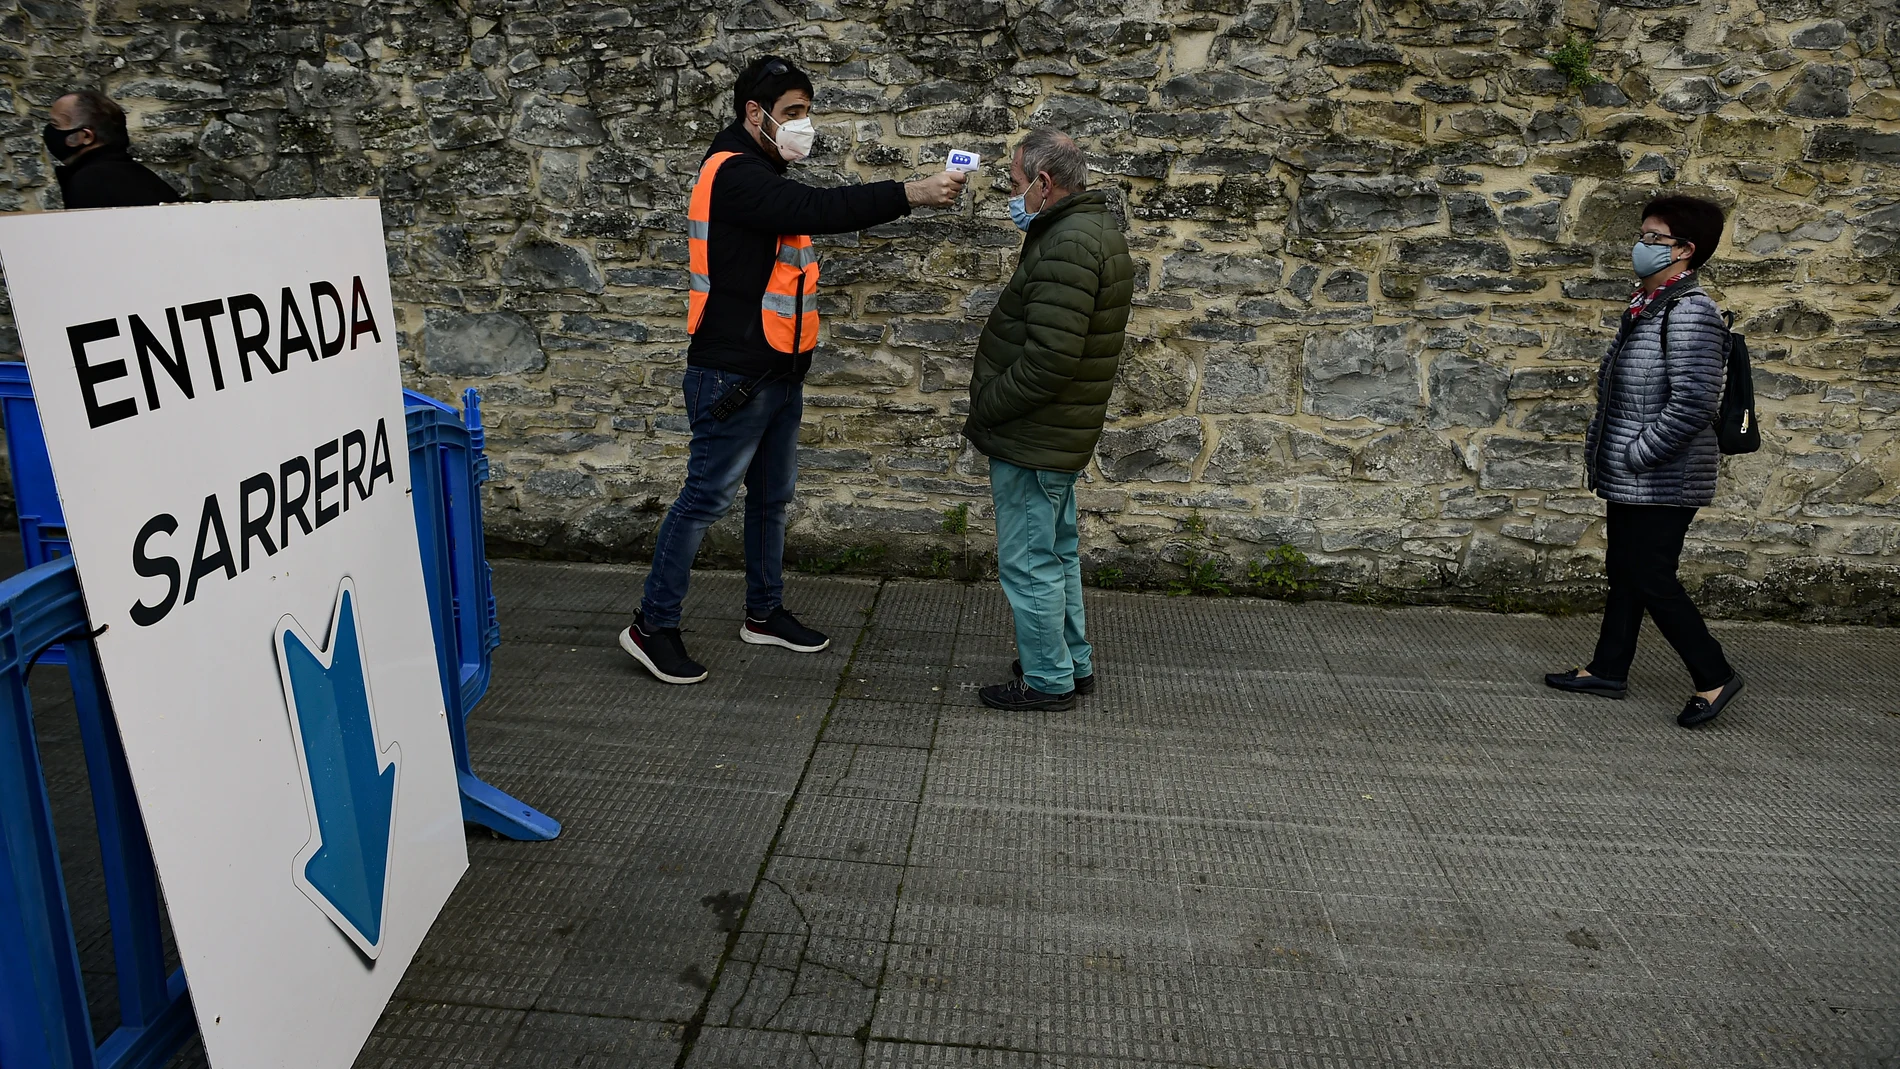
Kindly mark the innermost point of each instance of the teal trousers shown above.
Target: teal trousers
(1038, 559)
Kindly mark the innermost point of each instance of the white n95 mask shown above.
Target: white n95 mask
(794, 139)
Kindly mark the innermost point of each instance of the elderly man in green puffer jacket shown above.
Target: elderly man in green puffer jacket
(1045, 367)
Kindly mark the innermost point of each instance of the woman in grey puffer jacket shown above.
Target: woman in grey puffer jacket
(1651, 454)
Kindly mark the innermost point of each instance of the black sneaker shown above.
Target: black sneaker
(782, 629)
(662, 652)
(1020, 696)
(1084, 685)
(1700, 710)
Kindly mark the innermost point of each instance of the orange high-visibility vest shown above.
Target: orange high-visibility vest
(789, 308)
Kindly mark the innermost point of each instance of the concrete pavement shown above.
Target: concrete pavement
(1278, 835)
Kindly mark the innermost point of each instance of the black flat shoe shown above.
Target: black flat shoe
(1571, 681)
(1701, 710)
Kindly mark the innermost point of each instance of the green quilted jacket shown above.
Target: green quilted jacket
(1046, 362)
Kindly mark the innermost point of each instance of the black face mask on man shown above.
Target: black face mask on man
(56, 145)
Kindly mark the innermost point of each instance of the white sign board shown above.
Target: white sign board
(223, 407)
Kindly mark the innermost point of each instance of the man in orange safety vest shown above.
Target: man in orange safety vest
(752, 311)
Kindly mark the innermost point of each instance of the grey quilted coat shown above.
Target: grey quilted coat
(1652, 441)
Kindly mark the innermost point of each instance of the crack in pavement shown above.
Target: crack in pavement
(698, 1022)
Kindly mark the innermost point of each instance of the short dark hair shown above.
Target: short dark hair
(765, 80)
(98, 113)
(1692, 219)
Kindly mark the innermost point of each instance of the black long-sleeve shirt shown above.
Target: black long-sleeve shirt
(752, 204)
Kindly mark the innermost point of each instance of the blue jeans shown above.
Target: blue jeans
(756, 446)
(1038, 560)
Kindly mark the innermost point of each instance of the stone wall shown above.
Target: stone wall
(1380, 246)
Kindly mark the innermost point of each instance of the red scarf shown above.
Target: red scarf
(1643, 297)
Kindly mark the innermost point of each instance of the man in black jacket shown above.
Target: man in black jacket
(88, 138)
(752, 313)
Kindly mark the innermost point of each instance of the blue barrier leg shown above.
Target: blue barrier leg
(501, 812)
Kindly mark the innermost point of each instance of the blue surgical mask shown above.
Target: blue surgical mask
(1019, 212)
(1646, 260)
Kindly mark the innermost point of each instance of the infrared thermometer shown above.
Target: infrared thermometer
(960, 160)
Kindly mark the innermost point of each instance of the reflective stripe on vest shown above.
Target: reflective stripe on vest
(789, 307)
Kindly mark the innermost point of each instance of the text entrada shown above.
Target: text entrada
(249, 339)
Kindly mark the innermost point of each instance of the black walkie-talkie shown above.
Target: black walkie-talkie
(736, 398)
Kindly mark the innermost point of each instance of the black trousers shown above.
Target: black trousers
(1645, 548)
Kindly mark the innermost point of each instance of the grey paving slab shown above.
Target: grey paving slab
(909, 723)
(1093, 1004)
(744, 1048)
(1262, 855)
(885, 1054)
(1037, 840)
(654, 956)
(823, 897)
(1466, 1023)
(902, 682)
(916, 606)
(803, 983)
(906, 645)
(439, 1036)
(1277, 835)
(501, 950)
(873, 830)
(890, 773)
(569, 1041)
(1272, 1018)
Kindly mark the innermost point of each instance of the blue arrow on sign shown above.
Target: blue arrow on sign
(349, 786)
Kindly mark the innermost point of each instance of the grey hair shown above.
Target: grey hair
(1050, 150)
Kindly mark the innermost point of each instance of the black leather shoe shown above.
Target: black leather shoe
(1571, 681)
(1084, 685)
(1701, 710)
(1019, 696)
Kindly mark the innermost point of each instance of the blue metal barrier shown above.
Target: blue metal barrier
(446, 465)
(44, 1020)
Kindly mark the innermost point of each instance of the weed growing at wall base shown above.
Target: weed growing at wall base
(1200, 572)
(1202, 578)
(1284, 572)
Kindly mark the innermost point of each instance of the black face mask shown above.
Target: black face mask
(56, 144)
